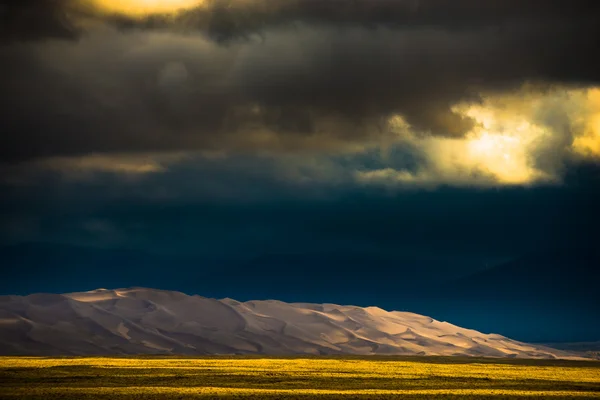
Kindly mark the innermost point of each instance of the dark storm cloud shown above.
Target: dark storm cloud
(322, 74)
(229, 19)
(224, 20)
(37, 19)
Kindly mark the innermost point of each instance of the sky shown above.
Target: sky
(430, 139)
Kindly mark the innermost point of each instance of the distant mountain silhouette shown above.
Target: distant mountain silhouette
(544, 296)
(47, 267)
(51, 267)
(349, 278)
(557, 274)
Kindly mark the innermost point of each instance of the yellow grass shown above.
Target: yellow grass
(132, 378)
(203, 391)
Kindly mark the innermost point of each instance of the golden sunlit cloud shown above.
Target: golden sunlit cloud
(140, 8)
(510, 133)
(588, 144)
(501, 145)
(76, 168)
(123, 164)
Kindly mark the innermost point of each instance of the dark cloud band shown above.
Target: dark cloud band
(330, 72)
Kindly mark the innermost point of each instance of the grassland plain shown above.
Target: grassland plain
(131, 378)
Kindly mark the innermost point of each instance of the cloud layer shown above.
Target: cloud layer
(465, 86)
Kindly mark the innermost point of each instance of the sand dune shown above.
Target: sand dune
(148, 321)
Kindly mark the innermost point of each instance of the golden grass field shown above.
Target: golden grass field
(287, 378)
